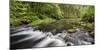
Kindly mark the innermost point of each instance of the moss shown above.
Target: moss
(59, 25)
(41, 21)
(71, 30)
(56, 26)
(89, 27)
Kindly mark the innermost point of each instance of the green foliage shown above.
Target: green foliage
(70, 11)
(14, 22)
(28, 13)
(52, 17)
(89, 15)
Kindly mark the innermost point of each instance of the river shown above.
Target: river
(32, 37)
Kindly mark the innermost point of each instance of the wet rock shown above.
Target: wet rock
(69, 44)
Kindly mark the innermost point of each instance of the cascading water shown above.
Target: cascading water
(33, 37)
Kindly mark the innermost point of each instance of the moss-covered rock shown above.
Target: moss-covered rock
(89, 27)
(56, 27)
(92, 34)
(71, 30)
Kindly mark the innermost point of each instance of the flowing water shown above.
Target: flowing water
(33, 37)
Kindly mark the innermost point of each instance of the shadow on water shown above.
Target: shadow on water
(16, 38)
(26, 44)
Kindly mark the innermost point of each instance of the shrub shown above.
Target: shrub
(14, 22)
